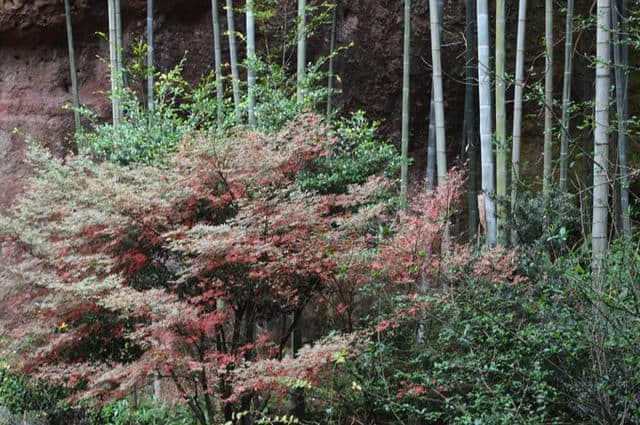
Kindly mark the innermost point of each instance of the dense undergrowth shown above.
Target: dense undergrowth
(170, 247)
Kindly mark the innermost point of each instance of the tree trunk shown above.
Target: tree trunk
(517, 111)
(548, 97)
(251, 63)
(486, 136)
(621, 62)
(469, 118)
(217, 53)
(406, 72)
(297, 401)
(302, 50)
(72, 66)
(566, 99)
(150, 83)
(501, 125)
(332, 48)
(250, 338)
(233, 53)
(157, 387)
(296, 334)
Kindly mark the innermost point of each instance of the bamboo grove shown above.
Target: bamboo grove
(494, 143)
(611, 33)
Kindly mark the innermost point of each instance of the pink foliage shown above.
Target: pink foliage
(189, 270)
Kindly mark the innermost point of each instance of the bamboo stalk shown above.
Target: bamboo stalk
(150, 82)
(517, 110)
(332, 48)
(621, 62)
(469, 99)
(406, 72)
(501, 125)
(566, 98)
(72, 66)
(302, 51)
(217, 52)
(113, 60)
(438, 96)
(233, 53)
(548, 98)
(486, 136)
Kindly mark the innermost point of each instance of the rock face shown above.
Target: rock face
(34, 68)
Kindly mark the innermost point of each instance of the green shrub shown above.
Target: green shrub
(275, 90)
(275, 97)
(547, 222)
(141, 136)
(147, 413)
(608, 389)
(199, 107)
(481, 362)
(507, 353)
(20, 395)
(181, 110)
(357, 154)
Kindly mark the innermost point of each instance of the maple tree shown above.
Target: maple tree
(191, 268)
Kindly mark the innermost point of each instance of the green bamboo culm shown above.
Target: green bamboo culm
(619, 15)
(251, 63)
(470, 100)
(486, 133)
(601, 183)
(72, 66)
(566, 98)
(501, 127)
(406, 72)
(217, 53)
(113, 61)
(435, 15)
(548, 98)
(332, 48)
(601, 142)
(150, 82)
(119, 49)
(233, 54)
(302, 51)
(431, 179)
(517, 110)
